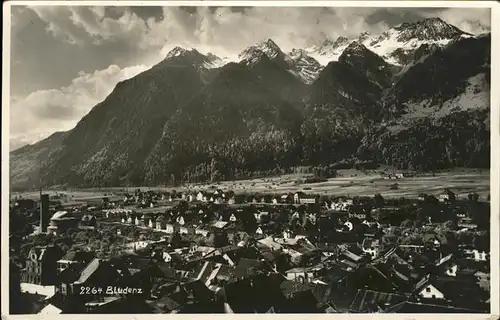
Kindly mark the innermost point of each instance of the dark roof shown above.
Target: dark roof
(454, 288)
(292, 287)
(414, 307)
(245, 265)
(70, 274)
(369, 300)
(167, 304)
(78, 255)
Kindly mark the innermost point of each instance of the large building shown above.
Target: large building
(44, 212)
(41, 265)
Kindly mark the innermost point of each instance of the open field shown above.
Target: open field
(354, 183)
(351, 183)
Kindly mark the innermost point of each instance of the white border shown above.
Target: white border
(495, 135)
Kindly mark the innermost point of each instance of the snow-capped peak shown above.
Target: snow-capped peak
(355, 47)
(329, 50)
(194, 57)
(364, 36)
(303, 66)
(179, 51)
(269, 47)
(433, 29)
(251, 56)
(399, 43)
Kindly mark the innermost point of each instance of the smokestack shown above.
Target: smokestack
(44, 211)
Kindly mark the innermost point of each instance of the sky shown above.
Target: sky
(66, 59)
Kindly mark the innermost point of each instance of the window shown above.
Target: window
(427, 289)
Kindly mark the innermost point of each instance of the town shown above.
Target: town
(214, 251)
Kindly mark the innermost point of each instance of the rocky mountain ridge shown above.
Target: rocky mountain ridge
(193, 118)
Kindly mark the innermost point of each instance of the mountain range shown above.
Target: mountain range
(415, 97)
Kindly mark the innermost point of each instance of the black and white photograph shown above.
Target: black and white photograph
(203, 158)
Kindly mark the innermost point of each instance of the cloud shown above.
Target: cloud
(43, 112)
(231, 30)
(119, 42)
(470, 20)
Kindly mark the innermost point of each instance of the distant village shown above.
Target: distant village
(215, 251)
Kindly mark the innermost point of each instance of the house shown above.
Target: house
(183, 230)
(297, 196)
(481, 255)
(232, 218)
(457, 292)
(96, 274)
(466, 222)
(276, 200)
(219, 200)
(160, 223)
(259, 231)
(200, 196)
(308, 199)
(88, 222)
(447, 196)
(166, 257)
(448, 266)
(169, 228)
(201, 231)
(41, 265)
(74, 258)
(286, 198)
(62, 221)
(287, 234)
(180, 220)
(303, 275)
(371, 247)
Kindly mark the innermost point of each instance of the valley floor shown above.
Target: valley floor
(349, 183)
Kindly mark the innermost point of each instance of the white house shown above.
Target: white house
(299, 274)
(169, 228)
(349, 225)
(275, 200)
(183, 230)
(180, 220)
(296, 198)
(203, 232)
(137, 221)
(429, 291)
(232, 218)
(200, 196)
(259, 230)
(371, 247)
(287, 234)
(480, 255)
(167, 257)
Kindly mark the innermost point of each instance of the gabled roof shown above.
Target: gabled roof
(77, 255)
(367, 300)
(89, 270)
(370, 243)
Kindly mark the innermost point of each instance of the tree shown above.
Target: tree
(379, 200)
(473, 197)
